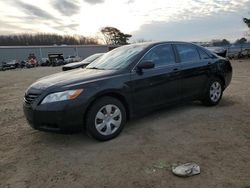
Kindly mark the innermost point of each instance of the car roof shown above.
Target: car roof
(170, 42)
(151, 44)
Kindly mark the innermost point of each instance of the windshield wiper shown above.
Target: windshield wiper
(95, 68)
(92, 68)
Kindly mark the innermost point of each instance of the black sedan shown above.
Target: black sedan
(125, 82)
(83, 63)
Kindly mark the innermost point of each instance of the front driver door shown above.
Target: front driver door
(159, 85)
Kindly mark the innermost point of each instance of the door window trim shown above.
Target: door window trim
(200, 49)
(178, 55)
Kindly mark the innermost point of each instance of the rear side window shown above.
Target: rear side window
(161, 55)
(187, 53)
(203, 54)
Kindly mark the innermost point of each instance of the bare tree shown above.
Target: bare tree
(241, 41)
(114, 36)
(247, 22)
(223, 42)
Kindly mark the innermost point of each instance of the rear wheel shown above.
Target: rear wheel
(106, 118)
(214, 92)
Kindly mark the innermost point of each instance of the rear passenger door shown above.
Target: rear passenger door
(194, 70)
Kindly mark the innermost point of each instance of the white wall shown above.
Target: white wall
(22, 52)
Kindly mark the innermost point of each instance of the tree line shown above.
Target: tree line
(110, 35)
(225, 42)
(44, 39)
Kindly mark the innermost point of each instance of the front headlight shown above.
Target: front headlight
(62, 96)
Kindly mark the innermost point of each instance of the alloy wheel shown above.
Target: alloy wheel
(215, 91)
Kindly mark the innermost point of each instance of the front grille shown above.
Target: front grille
(30, 98)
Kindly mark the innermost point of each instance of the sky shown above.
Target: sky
(186, 20)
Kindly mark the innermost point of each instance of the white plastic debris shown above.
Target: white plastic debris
(186, 170)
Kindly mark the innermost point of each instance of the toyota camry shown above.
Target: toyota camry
(126, 82)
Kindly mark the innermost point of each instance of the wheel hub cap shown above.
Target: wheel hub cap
(108, 119)
(215, 91)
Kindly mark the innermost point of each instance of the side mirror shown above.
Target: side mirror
(83, 66)
(145, 65)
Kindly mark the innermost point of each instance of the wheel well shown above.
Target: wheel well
(111, 94)
(221, 78)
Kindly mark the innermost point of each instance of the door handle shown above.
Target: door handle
(176, 71)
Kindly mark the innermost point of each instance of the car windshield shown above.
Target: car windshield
(118, 58)
(92, 58)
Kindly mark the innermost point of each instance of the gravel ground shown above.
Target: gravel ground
(217, 138)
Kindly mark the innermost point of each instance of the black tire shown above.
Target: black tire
(92, 113)
(208, 99)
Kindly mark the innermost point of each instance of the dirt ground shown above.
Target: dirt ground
(217, 138)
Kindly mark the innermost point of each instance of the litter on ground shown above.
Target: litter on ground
(186, 170)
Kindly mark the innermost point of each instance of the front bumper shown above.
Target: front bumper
(65, 115)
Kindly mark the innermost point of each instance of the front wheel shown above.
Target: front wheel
(106, 118)
(213, 93)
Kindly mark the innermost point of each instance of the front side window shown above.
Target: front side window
(160, 55)
(187, 53)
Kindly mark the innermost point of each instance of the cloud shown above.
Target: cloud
(179, 9)
(151, 19)
(93, 2)
(72, 27)
(66, 7)
(33, 19)
(7, 28)
(33, 11)
(206, 28)
(130, 1)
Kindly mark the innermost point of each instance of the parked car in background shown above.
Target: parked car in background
(45, 62)
(13, 64)
(2, 65)
(58, 62)
(32, 61)
(56, 59)
(123, 83)
(218, 50)
(83, 63)
(22, 64)
(71, 59)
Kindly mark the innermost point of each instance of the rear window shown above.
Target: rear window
(187, 53)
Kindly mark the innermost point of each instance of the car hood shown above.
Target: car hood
(76, 64)
(71, 77)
